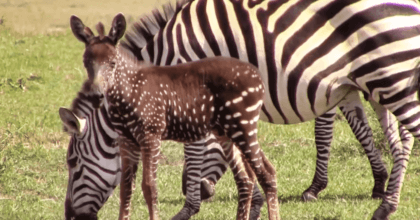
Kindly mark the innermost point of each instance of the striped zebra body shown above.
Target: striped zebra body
(313, 56)
(165, 47)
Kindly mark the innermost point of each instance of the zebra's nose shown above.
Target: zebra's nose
(68, 210)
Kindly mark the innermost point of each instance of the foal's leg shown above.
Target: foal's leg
(150, 150)
(400, 143)
(129, 158)
(243, 175)
(245, 137)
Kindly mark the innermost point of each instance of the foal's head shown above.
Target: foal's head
(100, 50)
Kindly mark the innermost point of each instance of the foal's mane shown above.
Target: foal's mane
(149, 25)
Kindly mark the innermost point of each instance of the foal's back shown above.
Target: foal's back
(189, 98)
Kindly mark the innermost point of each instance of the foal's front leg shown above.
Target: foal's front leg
(130, 155)
(150, 150)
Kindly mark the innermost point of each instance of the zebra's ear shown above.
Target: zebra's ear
(118, 28)
(71, 122)
(79, 30)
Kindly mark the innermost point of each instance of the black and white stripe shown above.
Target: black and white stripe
(93, 159)
(312, 55)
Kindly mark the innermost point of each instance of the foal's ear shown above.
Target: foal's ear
(81, 32)
(71, 122)
(118, 28)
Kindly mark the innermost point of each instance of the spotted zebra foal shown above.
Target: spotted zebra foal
(185, 103)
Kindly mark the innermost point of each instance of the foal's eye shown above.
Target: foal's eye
(112, 64)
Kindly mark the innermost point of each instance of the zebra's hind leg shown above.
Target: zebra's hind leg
(193, 153)
(213, 167)
(323, 138)
(207, 188)
(353, 110)
(256, 203)
(400, 143)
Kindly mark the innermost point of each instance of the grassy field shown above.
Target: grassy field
(41, 69)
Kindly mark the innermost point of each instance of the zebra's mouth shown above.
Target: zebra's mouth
(71, 214)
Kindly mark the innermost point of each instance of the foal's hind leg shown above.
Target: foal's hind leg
(243, 175)
(400, 143)
(244, 135)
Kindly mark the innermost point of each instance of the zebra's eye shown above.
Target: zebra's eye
(72, 162)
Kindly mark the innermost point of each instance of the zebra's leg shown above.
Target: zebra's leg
(150, 150)
(256, 203)
(207, 188)
(353, 110)
(400, 144)
(129, 159)
(193, 153)
(323, 138)
(214, 166)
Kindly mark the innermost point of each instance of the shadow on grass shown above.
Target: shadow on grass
(298, 198)
(172, 200)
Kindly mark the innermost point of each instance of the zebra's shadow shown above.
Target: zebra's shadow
(328, 197)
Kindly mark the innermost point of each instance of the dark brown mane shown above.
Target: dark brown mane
(149, 25)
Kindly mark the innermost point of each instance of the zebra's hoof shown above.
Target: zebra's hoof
(380, 216)
(255, 213)
(207, 189)
(384, 211)
(309, 197)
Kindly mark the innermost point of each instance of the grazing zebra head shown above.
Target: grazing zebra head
(93, 160)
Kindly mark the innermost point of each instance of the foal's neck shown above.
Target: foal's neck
(122, 64)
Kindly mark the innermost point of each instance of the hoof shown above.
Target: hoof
(384, 211)
(309, 196)
(254, 214)
(207, 189)
(184, 214)
(380, 216)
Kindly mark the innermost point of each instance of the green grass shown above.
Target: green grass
(41, 72)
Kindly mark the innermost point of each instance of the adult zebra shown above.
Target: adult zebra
(372, 40)
(304, 47)
(163, 39)
(313, 55)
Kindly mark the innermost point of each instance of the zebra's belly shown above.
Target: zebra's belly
(326, 98)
